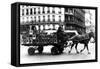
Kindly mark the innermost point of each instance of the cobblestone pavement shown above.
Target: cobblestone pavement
(47, 57)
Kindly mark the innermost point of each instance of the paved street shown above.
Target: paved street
(47, 57)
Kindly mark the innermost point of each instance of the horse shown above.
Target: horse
(83, 39)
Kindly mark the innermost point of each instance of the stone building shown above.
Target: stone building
(46, 18)
(75, 19)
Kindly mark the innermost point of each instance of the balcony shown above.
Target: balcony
(81, 24)
(69, 13)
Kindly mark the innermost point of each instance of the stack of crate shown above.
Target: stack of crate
(46, 39)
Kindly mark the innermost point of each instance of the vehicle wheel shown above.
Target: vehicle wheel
(40, 49)
(31, 51)
(54, 51)
(61, 50)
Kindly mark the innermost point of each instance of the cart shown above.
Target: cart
(38, 41)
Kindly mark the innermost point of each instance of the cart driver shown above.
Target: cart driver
(60, 34)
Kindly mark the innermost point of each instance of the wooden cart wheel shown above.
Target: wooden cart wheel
(61, 50)
(54, 51)
(31, 51)
(40, 49)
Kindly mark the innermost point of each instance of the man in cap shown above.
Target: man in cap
(60, 34)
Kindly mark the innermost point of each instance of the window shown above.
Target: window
(43, 18)
(35, 18)
(48, 17)
(70, 11)
(51, 26)
(26, 11)
(27, 20)
(71, 27)
(34, 10)
(71, 18)
(39, 18)
(60, 11)
(53, 17)
(37, 27)
(68, 18)
(48, 10)
(31, 18)
(22, 12)
(46, 27)
(53, 11)
(39, 10)
(66, 9)
(56, 26)
(60, 18)
(31, 11)
(41, 27)
(43, 10)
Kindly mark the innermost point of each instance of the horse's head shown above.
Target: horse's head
(91, 34)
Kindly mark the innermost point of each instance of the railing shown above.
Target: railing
(41, 22)
(75, 22)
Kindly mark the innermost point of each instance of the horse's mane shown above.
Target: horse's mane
(80, 37)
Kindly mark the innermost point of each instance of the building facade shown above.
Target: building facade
(46, 18)
(89, 20)
(75, 20)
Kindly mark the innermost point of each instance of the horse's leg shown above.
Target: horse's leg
(71, 47)
(76, 47)
(87, 48)
(83, 48)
